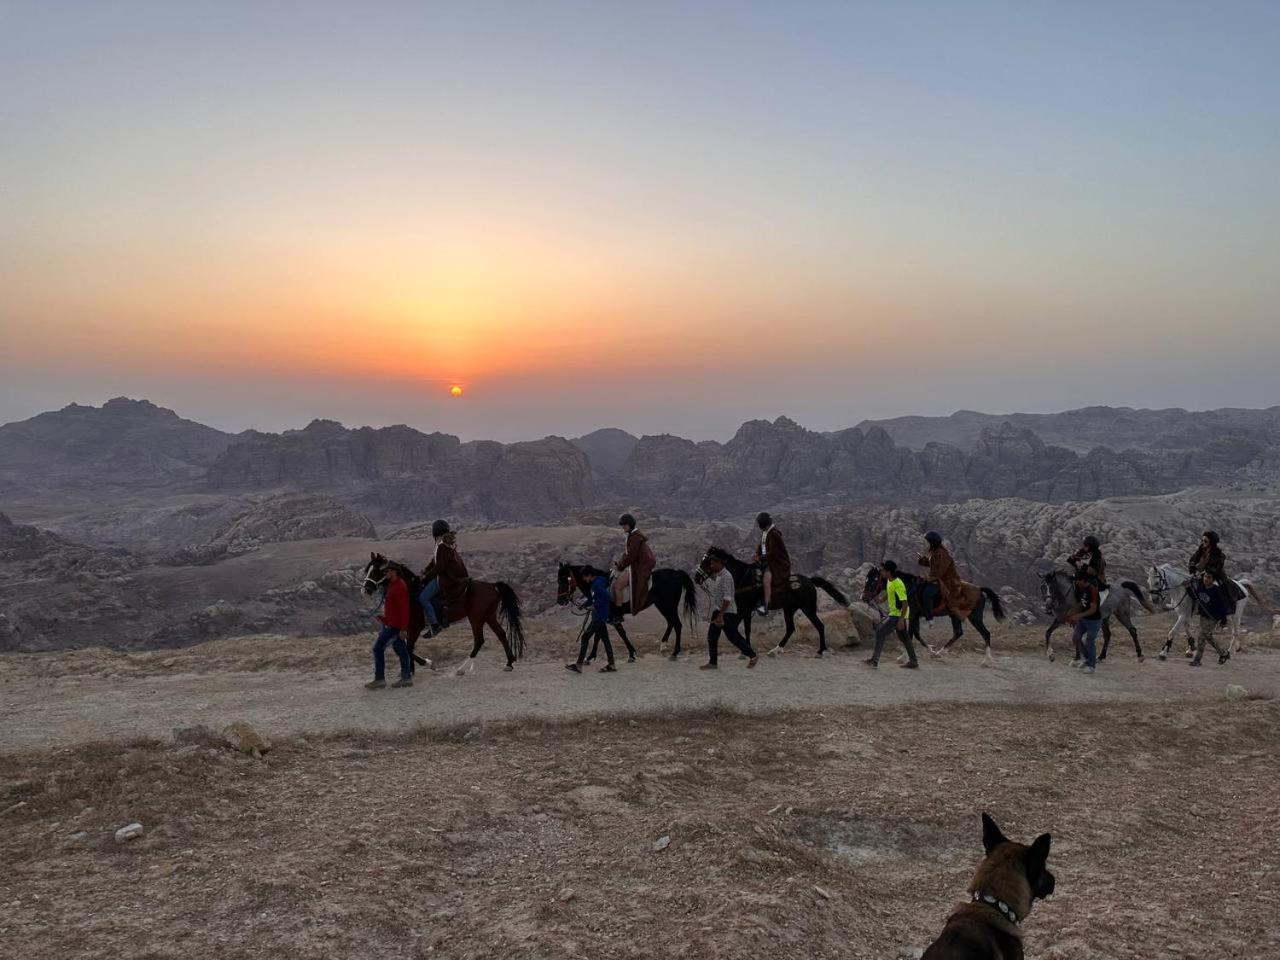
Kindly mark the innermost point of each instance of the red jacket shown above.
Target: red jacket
(395, 611)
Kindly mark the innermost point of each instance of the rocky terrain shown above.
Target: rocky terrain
(1119, 428)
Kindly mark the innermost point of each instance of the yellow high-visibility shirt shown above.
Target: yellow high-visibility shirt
(896, 592)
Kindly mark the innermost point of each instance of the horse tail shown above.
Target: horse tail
(690, 596)
(997, 608)
(831, 590)
(512, 620)
(1136, 590)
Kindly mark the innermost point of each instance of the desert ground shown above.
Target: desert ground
(807, 808)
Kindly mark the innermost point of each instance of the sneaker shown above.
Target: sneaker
(375, 684)
(608, 668)
(762, 610)
(910, 665)
(574, 667)
(1224, 657)
(1086, 669)
(403, 682)
(1193, 663)
(707, 666)
(752, 661)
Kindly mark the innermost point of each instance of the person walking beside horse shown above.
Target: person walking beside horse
(895, 592)
(775, 560)
(638, 563)
(1086, 621)
(599, 628)
(1212, 610)
(394, 620)
(722, 610)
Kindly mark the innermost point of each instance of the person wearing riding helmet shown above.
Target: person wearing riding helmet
(1210, 558)
(637, 563)
(431, 582)
(1089, 559)
(772, 555)
(959, 597)
(446, 573)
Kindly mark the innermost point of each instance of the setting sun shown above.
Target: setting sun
(456, 390)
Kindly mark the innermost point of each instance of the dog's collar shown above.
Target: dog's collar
(1004, 908)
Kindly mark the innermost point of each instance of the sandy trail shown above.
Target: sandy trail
(40, 712)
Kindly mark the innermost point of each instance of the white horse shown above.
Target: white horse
(1169, 586)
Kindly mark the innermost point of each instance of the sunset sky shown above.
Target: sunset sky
(662, 217)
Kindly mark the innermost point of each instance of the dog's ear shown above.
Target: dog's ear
(991, 835)
(1038, 852)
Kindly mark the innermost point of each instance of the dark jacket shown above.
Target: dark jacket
(1211, 602)
(601, 600)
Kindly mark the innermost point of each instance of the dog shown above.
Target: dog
(1007, 882)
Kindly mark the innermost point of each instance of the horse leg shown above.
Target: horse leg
(811, 614)
(621, 631)
(477, 633)
(976, 619)
(789, 620)
(1048, 643)
(496, 627)
(1126, 620)
(1106, 638)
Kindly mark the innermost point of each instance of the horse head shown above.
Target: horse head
(873, 585)
(703, 570)
(375, 572)
(566, 581)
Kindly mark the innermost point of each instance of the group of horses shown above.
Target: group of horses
(673, 593)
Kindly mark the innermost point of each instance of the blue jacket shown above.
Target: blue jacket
(601, 600)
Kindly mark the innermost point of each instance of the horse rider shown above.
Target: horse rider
(1209, 558)
(722, 612)
(395, 621)
(1089, 558)
(1212, 609)
(959, 597)
(895, 592)
(773, 558)
(637, 563)
(599, 627)
(445, 576)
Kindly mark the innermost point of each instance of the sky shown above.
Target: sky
(666, 217)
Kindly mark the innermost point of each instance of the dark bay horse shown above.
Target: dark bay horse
(665, 592)
(915, 600)
(748, 592)
(486, 605)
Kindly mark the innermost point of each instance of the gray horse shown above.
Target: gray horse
(1057, 591)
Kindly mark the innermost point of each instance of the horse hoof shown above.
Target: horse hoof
(775, 652)
(674, 657)
(631, 659)
(1162, 655)
(509, 667)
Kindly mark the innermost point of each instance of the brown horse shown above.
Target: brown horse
(486, 604)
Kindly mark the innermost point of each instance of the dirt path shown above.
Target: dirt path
(39, 712)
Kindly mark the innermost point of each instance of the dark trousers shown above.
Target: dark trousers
(730, 630)
(891, 625)
(389, 635)
(599, 630)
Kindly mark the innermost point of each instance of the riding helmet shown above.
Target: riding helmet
(440, 528)
(933, 538)
(1093, 543)
(627, 520)
(764, 521)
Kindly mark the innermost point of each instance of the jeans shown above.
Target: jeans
(730, 630)
(425, 598)
(1085, 639)
(893, 625)
(389, 635)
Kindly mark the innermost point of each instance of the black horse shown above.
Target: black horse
(918, 594)
(485, 605)
(666, 589)
(748, 592)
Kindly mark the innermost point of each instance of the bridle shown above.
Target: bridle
(565, 594)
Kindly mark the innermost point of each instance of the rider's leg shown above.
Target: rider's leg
(426, 599)
(767, 591)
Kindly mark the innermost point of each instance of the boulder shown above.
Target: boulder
(241, 737)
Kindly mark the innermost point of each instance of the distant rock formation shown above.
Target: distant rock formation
(606, 449)
(130, 444)
(402, 473)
